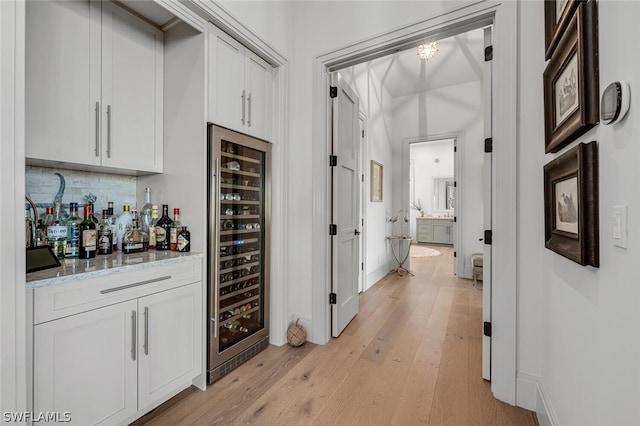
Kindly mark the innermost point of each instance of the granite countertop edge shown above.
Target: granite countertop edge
(81, 269)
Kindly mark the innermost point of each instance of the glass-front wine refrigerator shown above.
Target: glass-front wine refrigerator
(238, 248)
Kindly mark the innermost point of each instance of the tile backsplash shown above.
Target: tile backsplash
(42, 185)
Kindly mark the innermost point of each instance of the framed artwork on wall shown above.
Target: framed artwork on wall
(557, 14)
(570, 81)
(571, 204)
(376, 181)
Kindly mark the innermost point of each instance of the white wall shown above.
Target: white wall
(375, 103)
(578, 326)
(455, 109)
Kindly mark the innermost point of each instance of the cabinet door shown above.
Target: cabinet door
(440, 234)
(227, 94)
(132, 87)
(170, 342)
(62, 81)
(258, 86)
(85, 365)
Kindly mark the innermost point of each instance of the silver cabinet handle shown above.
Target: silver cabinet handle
(108, 131)
(123, 287)
(134, 332)
(146, 330)
(243, 111)
(97, 129)
(249, 114)
(216, 282)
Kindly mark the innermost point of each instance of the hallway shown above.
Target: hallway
(412, 356)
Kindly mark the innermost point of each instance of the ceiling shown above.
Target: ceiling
(460, 59)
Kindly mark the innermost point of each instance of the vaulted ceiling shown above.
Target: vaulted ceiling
(460, 59)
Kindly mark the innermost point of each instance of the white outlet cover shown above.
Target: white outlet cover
(619, 223)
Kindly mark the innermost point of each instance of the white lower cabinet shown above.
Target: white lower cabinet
(434, 230)
(112, 364)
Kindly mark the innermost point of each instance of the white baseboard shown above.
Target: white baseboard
(376, 275)
(527, 391)
(305, 322)
(544, 409)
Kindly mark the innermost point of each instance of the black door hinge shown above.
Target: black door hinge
(333, 91)
(333, 298)
(455, 183)
(455, 219)
(488, 235)
(363, 133)
(362, 266)
(455, 254)
(488, 145)
(333, 229)
(333, 160)
(487, 329)
(455, 148)
(488, 53)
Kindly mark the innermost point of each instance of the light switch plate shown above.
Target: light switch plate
(620, 226)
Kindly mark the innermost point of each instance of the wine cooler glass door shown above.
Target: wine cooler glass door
(241, 288)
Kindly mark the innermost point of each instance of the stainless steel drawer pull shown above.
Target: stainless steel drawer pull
(97, 129)
(123, 287)
(134, 327)
(146, 330)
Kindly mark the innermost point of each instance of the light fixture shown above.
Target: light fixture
(399, 215)
(427, 51)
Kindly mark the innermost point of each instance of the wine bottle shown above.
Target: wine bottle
(88, 236)
(163, 229)
(175, 227)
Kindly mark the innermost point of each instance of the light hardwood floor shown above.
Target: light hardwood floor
(412, 356)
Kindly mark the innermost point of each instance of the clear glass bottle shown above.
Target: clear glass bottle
(57, 232)
(88, 235)
(152, 227)
(163, 229)
(105, 236)
(124, 219)
(41, 233)
(73, 232)
(135, 239)
(175, 227)
(29, 228)
(145, 211)
(112, 225)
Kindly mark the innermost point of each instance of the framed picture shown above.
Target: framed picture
(571, 204)
(557, 14)
(570, 81)
(376, 181)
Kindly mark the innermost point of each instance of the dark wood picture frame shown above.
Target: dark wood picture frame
(570, 81)
(555, 25)
(571, 205)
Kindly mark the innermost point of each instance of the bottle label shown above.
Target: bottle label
(57, 231)
(183, 242)
(104, 244)
(161, 234)
(89, 239)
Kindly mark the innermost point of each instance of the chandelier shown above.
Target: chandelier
(427, 51)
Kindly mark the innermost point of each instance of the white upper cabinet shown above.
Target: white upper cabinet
(239, 86)
(94, 87)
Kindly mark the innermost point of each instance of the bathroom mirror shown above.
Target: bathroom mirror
(443, 193)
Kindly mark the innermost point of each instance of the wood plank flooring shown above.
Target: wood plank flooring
(412, 356)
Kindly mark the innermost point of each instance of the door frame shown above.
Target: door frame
(504, 18)
(364, 156)
(458, 177)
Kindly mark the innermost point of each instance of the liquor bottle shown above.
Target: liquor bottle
(57, 232)
(93, 216)
(29, 228)
(135, 239)
(112, 225)
(123, 220)
(163, 229)
(41, 234)
(184, 240)
(175, 226)
(105, 237)
(152, 227)
(73, 232)
(145, 211)
(88, 236)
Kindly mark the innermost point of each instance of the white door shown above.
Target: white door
(363, 199)
(486, 268)
(345, 208)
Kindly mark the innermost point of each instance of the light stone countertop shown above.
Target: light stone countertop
(101, 265)
(435, 217)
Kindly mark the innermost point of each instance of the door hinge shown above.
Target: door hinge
(455, 148)
(488, 235)
(488, 53)
(455, 183)
(333, 91)
(487, 329)
(455, 254)
(362, 266)
(363, 133)
(363, 177)
(333, 298)
(455, 218)
(333, 229)
(362, 221)
(488, 145)
(333, 160)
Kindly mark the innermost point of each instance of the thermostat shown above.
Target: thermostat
(615, 102)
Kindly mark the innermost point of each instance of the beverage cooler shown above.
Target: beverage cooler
(238, 248)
